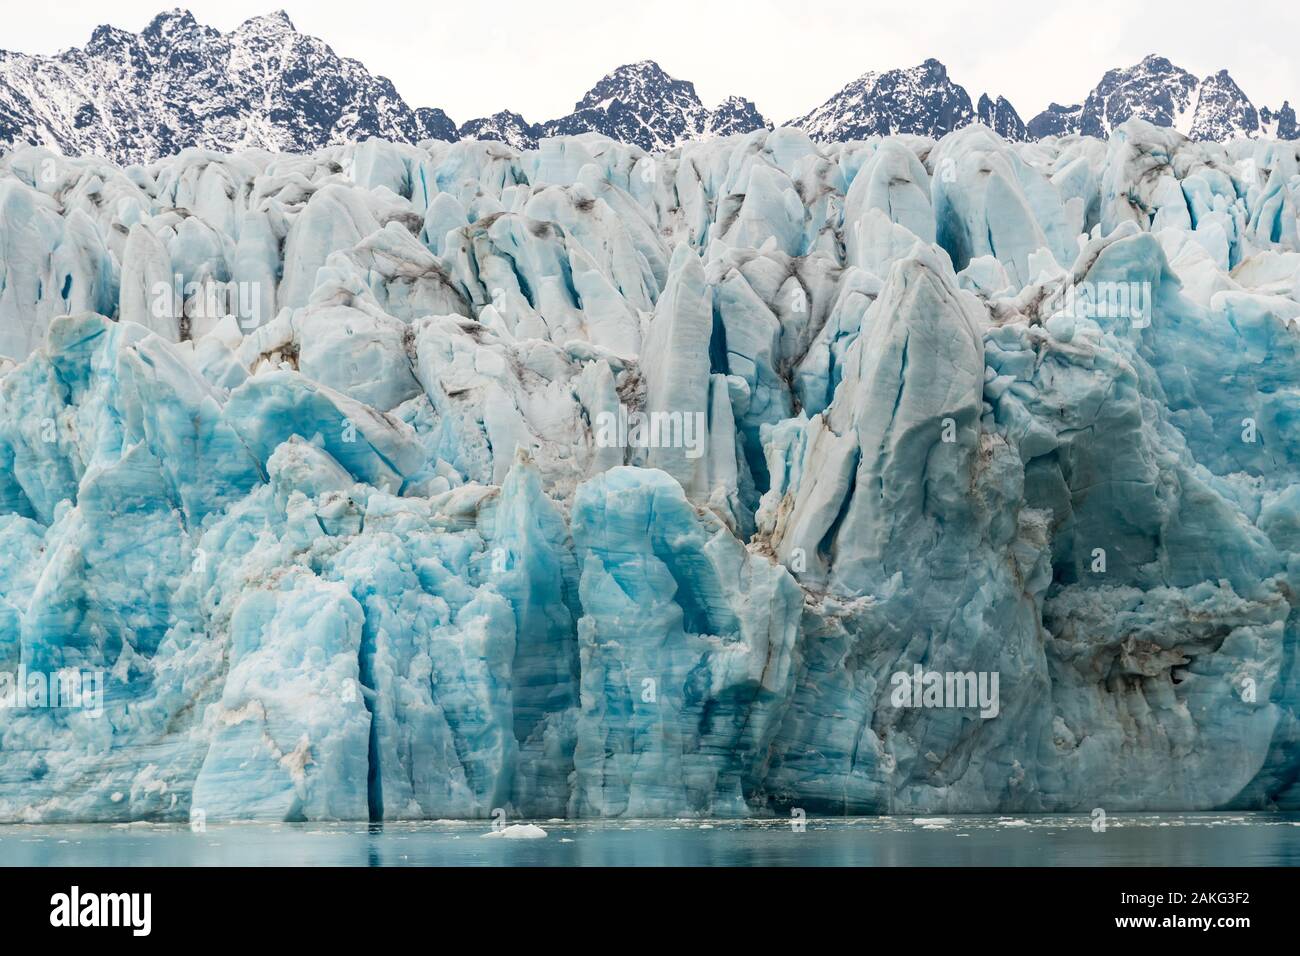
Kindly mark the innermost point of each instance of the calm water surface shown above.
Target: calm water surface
(1197, 839)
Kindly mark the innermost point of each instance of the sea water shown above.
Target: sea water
(1176, 839)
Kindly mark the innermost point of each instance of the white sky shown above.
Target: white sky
(539, 56)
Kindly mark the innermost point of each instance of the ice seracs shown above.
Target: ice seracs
(465, 481)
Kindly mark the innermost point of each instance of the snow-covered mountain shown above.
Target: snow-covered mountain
(1279, 123)
(1056, 120)
(1223, 110)
(1155, 90)
(925, 101)
(641, 104)
(735, 114)
(138, 97)
(920, 100)
(178, 83)
(1001, 117)
(506, 127)
(638, 104)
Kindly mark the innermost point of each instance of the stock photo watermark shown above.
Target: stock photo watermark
(955, 689)
(94, 910)
(1103, 300)
(629, 429)
(211, 298)
(67, 689)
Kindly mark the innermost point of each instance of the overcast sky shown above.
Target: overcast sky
(538, 57)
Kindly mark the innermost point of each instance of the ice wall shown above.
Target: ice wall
(403, 482)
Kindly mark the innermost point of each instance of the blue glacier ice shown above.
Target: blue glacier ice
(446, 481)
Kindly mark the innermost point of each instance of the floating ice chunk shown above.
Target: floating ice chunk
(519, 831)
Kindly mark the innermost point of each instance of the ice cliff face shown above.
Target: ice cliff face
(335, 469)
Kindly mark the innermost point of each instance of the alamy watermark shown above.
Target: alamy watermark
(1107, 300)
(958, 689)
(75, 908)
(68, 689)
(628, 429)
(210, 298)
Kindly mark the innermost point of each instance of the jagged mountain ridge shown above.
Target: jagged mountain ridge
(921, 100)
(1213, 108)
(924, 100)
(1001, 117)
(178, 83)
(639, 104)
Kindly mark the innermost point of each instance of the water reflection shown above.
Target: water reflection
(1129, 840)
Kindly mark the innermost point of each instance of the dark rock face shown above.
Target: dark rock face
(921, 100)
(178, 83)
(1000, 116)
(1056, 120)
(1223, 110)
(1154, 90)
(1281, 121)
(642, 105)
(504, 127)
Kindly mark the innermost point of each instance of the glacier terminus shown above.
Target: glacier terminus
(900, 475)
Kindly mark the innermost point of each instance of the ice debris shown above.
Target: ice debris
(518, 831)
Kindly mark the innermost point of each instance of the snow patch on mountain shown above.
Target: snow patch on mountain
(641, 105)
(503, 127)
(1001, 117)
(1056, 120)
(1214, 108)
(920, 100)
(178, 83)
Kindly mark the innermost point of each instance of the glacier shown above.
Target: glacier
(304, 454)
